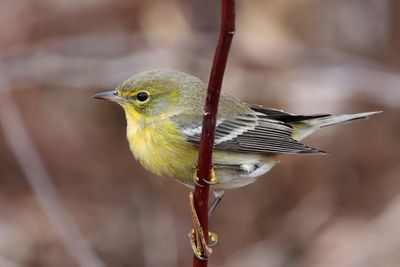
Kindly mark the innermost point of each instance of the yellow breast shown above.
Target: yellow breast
(160, 147)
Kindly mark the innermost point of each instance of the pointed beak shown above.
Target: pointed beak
(110, 96)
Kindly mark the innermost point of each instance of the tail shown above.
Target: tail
(306, 127)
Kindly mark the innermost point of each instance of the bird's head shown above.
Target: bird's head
(154, 93)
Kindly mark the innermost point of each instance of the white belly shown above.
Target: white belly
(243, 174)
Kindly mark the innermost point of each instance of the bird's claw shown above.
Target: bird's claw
(199, 245)
(200, 248)
(212, 239)
(196, 180)
(213, 179)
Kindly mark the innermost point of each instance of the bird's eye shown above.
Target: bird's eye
(142, 96)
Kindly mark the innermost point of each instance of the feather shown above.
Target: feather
(254, 133)
(283, 116)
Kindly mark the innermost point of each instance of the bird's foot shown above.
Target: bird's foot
(200, 247)
(213, 178)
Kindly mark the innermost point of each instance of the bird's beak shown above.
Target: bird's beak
(110, 96)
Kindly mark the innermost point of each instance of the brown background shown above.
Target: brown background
(303, 56)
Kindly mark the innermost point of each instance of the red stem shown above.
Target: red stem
(210, 114)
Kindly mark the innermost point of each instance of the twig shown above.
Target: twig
(204, 163)
(27, 156)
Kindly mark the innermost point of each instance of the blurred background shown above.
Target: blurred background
(71, 194)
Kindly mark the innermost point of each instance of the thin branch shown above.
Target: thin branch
(210, 114)
(27, 156)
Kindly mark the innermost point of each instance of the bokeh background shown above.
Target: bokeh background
(71, 193)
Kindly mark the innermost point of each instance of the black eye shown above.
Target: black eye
(142, 96)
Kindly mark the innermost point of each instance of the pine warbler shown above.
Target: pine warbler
(164, 112)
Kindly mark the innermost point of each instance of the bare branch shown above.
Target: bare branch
(204, 163)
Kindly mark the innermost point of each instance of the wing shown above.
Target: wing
(252, 132)
(280, 115)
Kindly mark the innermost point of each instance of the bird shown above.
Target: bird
(164, 112)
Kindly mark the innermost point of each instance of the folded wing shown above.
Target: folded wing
(252, 132)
